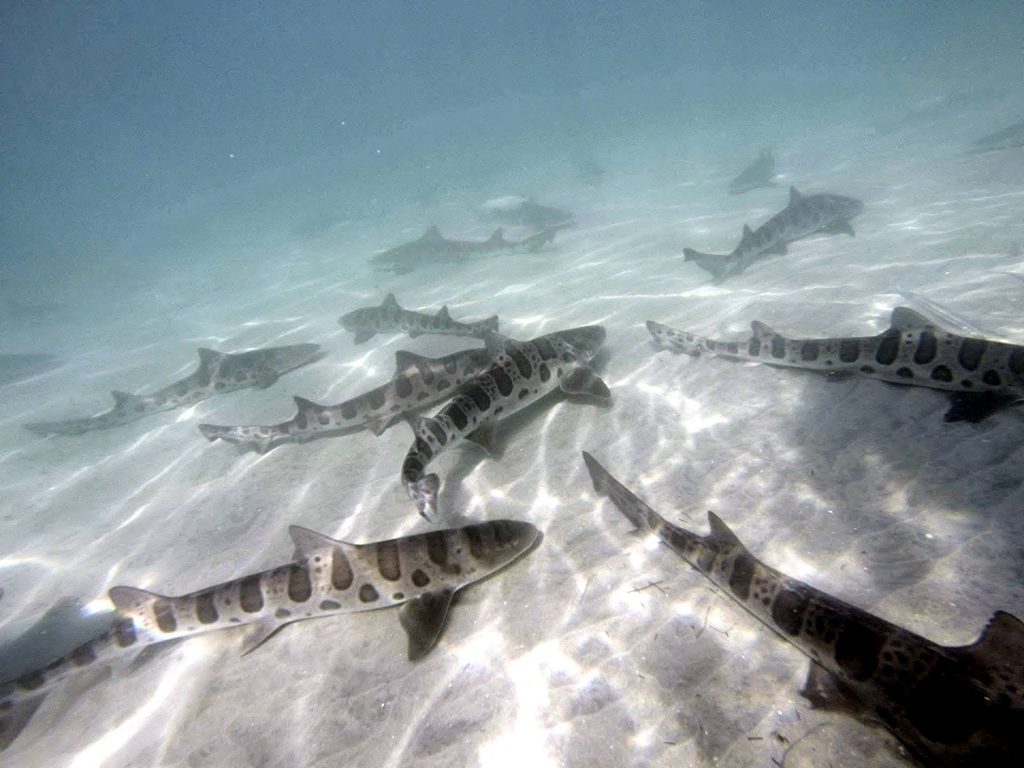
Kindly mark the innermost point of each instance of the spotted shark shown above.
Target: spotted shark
(390, 317)
(1008, 138)
(760, 173)
(950, 706)
(421, 572)
(433, 248)
(419, 382)
(805, 215)
(521, 373)
(218, 372)
(983, 375)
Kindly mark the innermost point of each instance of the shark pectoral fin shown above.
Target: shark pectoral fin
(208, 356)
(582, 380)
(827, 693)
(423, 618)
(721, 536)
(307, 542)
(483, 436)
(259, 633)
(973, 407)
(363, 335)
(124, 399)
(14, 720)
(1001, 640)
(907, 319)
(839, 227)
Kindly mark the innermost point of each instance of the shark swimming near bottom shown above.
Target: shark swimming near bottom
(433, 248)
(420, 572)
(982, 374)
(805, 215)
(390, 317)
(521, 373)
(960, 706)
(218, 372)
(760, 173)
(419, 382)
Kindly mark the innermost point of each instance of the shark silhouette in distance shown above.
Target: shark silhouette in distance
(982, 375)
(418, 383)
(949, 706)
(432, 248)
(391, 317)
(522, 211)
(421, 573)
(760, 173)
(218, 372)
(1011, 137)
(804, 216)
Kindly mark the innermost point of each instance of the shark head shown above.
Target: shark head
(586, 340)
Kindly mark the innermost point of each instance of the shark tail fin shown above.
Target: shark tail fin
(716, 264)
(14, 720)
(424, 493)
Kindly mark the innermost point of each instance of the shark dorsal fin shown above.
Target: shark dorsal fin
(123, 399)
(721, 536)
(1001, 640)
(207, 355)
(432, 234)
(497, 236)
(762, 330)
(907, 319)
(442, 313)
(423, 618)
(794, 195)
(390, 302)
(305, 405)
(131, 599)
(747, 234)
(405, 359)
(307, 542)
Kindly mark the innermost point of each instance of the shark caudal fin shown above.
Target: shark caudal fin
(15, 717)
(424, 493)
(715, 263)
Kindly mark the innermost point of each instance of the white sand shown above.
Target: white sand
(599, 649)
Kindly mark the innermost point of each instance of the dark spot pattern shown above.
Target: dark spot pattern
(329, 605)
(521, 361)
(754, 347)
(778, 347)
(849, 350)
(479, 397)
(545, 372)
(942, 373)
(437, 548)
(904, 373)
(367, 594)
(31, 681)
(926, 348)
(545, 348)
(457, 415)
(301, 422)
(206, 609)
(789, 609)
(250, 594)
(299, 586)
(502, 380)
(809, 351)
(857, 650)
(742, 573)
(348, 410)
(341, 571)
(403, 387)
(82, 655)
(888, 348)
(419, 578)
(992, 379)
(436, 430)
(970, 353)
(387, 560)
(164, 613)
(124, 633)
(282, 613)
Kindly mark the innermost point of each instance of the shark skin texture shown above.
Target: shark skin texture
(421, 573)
(218, 373)
(949, 706)
(521, 373)
(418, 383)
(390, 317)
(804, 216)
(432, 248)
(982, 375)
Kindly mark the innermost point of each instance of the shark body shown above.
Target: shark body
(420, 572)
(218, 372)
(433, 248)
(760, 173)
(520, 210)
(982, 374)
(391, 317)
(521, 373)
(805, 215)
(419, 382)
(1007, 138)
(950, 706)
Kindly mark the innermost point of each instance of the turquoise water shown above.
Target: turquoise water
(188, 177)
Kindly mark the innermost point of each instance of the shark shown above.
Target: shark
(433, 248)
(521, 373)
(390, 317)
(418, 383)
(981, 374)
(948, 705)
(218, 372)
(421, 573)
(760, 173)
(1008, 138)
(805, 215)
(520, 210)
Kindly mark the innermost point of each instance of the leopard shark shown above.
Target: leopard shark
(419, 382)
(982, 374)
(760, 173)
(390, 317)
(218, 372)
(805, 215)
(521, 373)
(948, 705)
(433, 248)
(420, 572)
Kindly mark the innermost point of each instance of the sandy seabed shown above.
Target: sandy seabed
(600, 648)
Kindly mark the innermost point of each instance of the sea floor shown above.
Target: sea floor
(600, 648)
